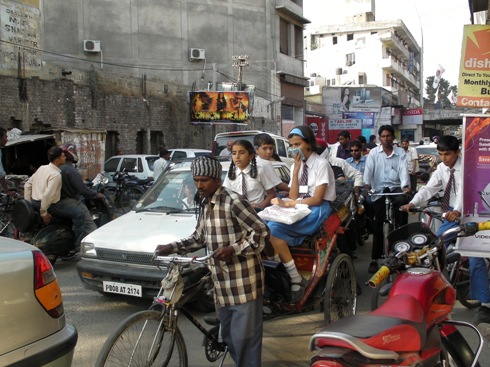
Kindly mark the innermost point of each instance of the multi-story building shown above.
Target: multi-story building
(364, 65)
(125, 67)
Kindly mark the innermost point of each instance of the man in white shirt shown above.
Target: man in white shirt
(413, 163)
(227, 151)
(161, 164)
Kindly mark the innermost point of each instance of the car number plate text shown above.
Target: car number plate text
(122, 288)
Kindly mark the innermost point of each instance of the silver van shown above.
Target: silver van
(281, 143)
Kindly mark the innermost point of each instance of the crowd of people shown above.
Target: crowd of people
(229, 223)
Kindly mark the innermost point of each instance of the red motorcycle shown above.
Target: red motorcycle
(412, 328)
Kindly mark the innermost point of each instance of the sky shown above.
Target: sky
(440, 21)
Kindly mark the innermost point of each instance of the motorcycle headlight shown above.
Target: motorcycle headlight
(88, 249)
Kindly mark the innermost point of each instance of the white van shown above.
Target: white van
(282, 144)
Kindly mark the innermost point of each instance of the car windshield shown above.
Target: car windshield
(173, 193)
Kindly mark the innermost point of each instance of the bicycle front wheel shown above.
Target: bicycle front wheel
(143, 340)
(129, 197)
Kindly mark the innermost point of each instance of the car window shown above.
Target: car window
(111, 164)
(427, 150)
(200, 154)
(151, 162)
(178, 155)
(221, 142)
(130, 164)
(281, 148)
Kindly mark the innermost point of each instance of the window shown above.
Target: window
(298, 42)
(178, 155)
(350, 59)
(111, 165)
(350, 36)
(281, 148)
(334, 40)
(132, 165)
(284, 37)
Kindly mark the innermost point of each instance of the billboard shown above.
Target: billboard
(476, 183)
(219, 106)
(474, 70)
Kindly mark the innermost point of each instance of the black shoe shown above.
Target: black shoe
(296, 295)
(482, 316)
(373, 267)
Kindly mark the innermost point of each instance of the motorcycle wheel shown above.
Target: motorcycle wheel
(340, 297)
(129, 197)
(456, 352)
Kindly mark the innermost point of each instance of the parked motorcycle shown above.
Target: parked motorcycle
(56, 239)
(127, 190)
(412, 328)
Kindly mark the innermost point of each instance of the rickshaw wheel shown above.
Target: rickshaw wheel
(340, 296)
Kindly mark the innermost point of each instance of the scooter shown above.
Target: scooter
(412, 328)
(56, 239)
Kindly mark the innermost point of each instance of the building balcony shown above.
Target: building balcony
(391, 66)
(395, 44)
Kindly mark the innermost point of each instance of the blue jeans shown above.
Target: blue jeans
(76, 211)
(479, 284)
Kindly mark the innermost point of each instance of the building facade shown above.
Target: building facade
(125, 67)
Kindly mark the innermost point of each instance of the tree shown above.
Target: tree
(443, 91)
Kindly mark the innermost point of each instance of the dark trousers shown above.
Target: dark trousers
(401, 218)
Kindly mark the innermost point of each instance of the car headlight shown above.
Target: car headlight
(88, 249)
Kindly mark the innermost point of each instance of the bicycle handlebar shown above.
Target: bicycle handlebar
(172, 259)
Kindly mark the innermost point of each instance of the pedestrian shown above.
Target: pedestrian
(372, 142)
(413, 163)
(226, 152)
(358, 160)
(228, 225)
(161, 164)
(386, 170)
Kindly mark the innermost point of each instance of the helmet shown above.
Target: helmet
(70, 150)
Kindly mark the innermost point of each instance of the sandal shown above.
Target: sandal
(296, 295)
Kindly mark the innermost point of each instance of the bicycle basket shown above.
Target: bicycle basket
(173, 285)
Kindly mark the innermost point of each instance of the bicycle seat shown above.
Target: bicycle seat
(24, 216)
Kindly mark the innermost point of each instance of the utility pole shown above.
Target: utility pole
(239, 62)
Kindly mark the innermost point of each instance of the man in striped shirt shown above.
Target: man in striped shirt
(229, 226)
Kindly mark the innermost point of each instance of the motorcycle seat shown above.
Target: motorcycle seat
(146, 181)
(397, 325)
(24, 216)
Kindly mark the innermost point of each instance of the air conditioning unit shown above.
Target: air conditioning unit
(196, 54)
(91, 46)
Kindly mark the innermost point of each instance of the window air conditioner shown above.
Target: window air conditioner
(196, 54)
(91, 46)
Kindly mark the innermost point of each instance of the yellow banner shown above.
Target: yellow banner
(474, 71)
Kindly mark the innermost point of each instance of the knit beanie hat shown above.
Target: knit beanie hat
(206, 166)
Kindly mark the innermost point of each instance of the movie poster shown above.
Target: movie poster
(219, 106)
(476, 183)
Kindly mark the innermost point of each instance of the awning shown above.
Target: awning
(28, 139)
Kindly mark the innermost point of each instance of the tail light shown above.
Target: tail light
(46, 287)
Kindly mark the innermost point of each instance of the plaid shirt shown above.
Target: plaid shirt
(230, 221)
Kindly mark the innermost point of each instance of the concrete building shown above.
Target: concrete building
(364, 66)
(125, 67)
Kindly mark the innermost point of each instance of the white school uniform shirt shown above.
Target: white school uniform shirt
(256, 187)
(319, 172)
(267, 169)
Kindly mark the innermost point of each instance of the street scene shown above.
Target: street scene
(265, 183)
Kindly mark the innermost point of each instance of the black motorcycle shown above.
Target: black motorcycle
(56, 239)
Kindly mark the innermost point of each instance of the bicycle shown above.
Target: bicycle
(389, 224)
(153, 337)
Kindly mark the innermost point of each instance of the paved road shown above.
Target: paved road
(285, 338)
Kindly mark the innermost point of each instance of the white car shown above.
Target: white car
(116, 258)
(178, 154)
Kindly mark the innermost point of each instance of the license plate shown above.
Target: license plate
(122, 288)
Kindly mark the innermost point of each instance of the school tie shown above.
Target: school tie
(244, 184)
(447, 191)
(304, 180)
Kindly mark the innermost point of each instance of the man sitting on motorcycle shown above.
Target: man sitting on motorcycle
(72, 189)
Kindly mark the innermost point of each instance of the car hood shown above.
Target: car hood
(143, 231)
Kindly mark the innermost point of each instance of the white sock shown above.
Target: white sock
(294, 274)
